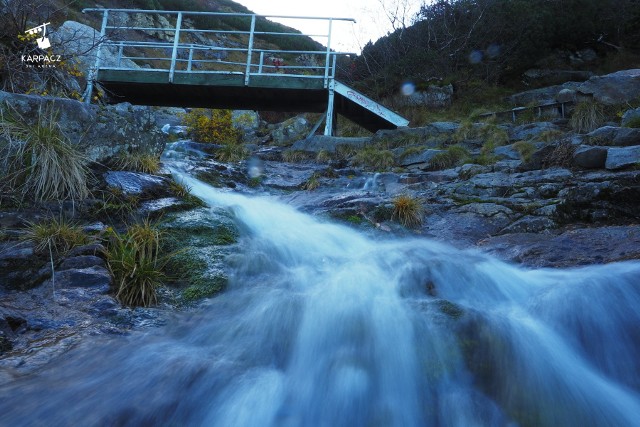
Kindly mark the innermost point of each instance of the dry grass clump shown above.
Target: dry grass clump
(139, 161)
(525, 149)
(408, 211)
(55, 236)
(561, 156)
(587, 116)
(323, 156)
(38, 161)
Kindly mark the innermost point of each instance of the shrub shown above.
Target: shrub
(139, 161)
(39, 162)
(374, 159)
(452, 156)
(136, 263)
(213, 126)
(587, 116)
(56, 235)
(408, 211)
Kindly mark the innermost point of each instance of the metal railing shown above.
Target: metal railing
(237, 46)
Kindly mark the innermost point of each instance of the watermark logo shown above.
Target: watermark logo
(43, 43)
(39, 34)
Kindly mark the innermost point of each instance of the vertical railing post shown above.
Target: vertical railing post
(247, 72)
(327, 58)
(333, 66)
(176, 41)
(328, 123)
(93, 74)
(261, 62)
(120, 49)
(190, 58)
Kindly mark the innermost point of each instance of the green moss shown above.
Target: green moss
(204, 290)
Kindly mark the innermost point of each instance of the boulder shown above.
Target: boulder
(531, 130)
(318, 143)
(530, 224)
(555, 77)
(567, 95)
(590, 157)
(100, 132)
(615, 136)
(622, 157)
(81, 42)
(615, 88)
(247, 122)
(290, 130)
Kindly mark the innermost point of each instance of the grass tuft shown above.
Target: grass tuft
(38, 160)
(137, 264)
(295, 156)
(525, 149)
(139, 161)
(374, 159)
(454, 155)
(56, 234)
(408, 211)
(587, 116)
(231, 152)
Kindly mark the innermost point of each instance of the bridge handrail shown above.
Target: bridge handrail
(178, 48)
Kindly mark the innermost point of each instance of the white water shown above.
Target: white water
(323, 327)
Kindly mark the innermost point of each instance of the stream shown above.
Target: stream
(323, 326)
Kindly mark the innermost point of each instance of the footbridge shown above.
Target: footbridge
(228, 60)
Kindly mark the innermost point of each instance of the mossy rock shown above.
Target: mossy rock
(201, 228)
(204, 288)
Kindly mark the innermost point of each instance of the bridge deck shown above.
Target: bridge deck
(180, 72)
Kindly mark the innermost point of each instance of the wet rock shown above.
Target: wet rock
(590, 157)
(486, 209)
(96, 277)
(615, 88)
(159, 206)
(530, 224)
(614, 136)
(20, 268)
(137, 183)
(567, 248)
(81, 262)
(287, 176)
(623, 157)
(318, 143)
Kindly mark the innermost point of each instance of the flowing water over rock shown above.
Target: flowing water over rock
(322, 326)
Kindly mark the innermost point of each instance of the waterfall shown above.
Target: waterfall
(322, 326)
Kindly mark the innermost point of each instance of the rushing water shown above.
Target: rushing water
(322, 326)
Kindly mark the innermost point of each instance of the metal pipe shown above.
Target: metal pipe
(249, 51)
(326, 61)
(94, 72)
(176, 41)
(190, 59)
